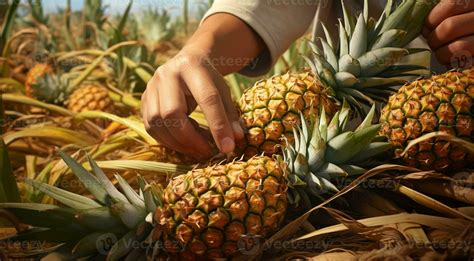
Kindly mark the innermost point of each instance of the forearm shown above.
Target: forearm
(228, 42)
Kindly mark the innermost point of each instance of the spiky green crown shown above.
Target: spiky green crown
(105, 226)
(52, 88)
(362, 66)
(324, 150)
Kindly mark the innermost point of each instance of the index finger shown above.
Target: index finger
(204, 90)
(446, 9)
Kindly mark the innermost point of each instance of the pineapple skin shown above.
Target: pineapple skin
(207, 211)
(37, 71)
(90, 97)
(441, 103)
(271, 109)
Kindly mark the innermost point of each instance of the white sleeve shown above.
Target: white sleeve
(278, 22)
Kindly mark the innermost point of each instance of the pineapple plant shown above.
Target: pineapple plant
(440, 103)
(157, 28)
(89, 96)
(37, 71)
(361, 67)
(205, 213)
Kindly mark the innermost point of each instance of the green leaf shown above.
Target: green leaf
(124, 18)
(8, 187)
(112, 191)
(375, 82)
(89, 244)
(349, 64)
(98, 219)
(150, 202)
(41, 215)
(5, 31)
(349, 20)
(368, 119)
(352, 169)
(89, 181)
(402, 69)
(390, 38)
(343, 40)
(345, 79)
(358, 42)
(373, 149)
(328, 37)
(132, 196)
(398, 18)
(67, 198)
(376, 61)
(346, 145)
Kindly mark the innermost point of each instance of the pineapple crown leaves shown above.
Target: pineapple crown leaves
(156, 25)
(362, 66)
(111, 213)
(52, 88)
(324, 149)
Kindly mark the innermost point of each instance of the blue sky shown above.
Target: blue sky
(118, 6)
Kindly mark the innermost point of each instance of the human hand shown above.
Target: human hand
(449, 29)
(175, 90)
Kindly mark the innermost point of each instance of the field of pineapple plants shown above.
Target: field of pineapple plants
(349, 153)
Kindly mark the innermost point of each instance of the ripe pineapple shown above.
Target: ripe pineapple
(57, 89)
(361, 67)
(441, 103)
(90, 97)
(207, 212)
(36, 72)
(271, 108)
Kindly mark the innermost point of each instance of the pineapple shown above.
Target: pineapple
(36, 72)
(441, 103)
(361, 67)
(271, 108)
(206, 213)
(90, 97)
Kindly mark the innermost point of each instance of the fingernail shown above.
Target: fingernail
(227, 145)
(238, 131)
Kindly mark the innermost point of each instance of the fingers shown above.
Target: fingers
(459, 51)
(154, 123)
(446, 9)
(230, 108)
(152, 118)
(176, 122)
(451, 29)
(201, 84)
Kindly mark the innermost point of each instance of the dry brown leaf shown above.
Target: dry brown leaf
(442, 223)
(380, 234)
(431, 203)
